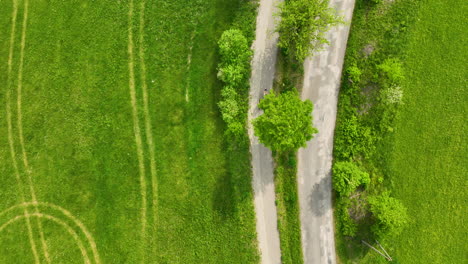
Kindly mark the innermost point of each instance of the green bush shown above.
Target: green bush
(353, 139)
(347, 225)
(234, 70)
(303, 26)
(234, 48)
(354, 74)
(390, 72)
(347, 176)
(286, 123)
(389, 214)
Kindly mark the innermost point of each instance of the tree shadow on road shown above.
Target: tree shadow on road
(320, 198)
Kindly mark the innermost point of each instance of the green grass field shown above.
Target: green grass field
(429, 159)
(117, 123)
(425, 159)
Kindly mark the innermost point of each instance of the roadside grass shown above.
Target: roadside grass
(423, 161)
(428, 162)
(78, 130)
(287, 206)
(288, 75)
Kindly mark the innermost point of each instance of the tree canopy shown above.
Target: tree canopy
(390, 215)
(233, 71)
(303, 26)
(235, 57)
(347, 176)
(286, 124)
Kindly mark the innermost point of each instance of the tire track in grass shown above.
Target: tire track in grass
(10, 131)
(148, 127)
(20, 129)
(58, 221)
(69, 215)
(136, 127)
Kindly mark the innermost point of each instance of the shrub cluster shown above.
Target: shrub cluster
(286, 124)
(234, 70)
(303, 26)
(390, 215)
(347, 176)
(346, 224)
(363, 120)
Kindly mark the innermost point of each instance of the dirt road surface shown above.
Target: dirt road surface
(263, 72)
(322, 75)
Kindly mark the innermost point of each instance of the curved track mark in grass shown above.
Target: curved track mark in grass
(56, 220)
(148, 128)
(136, 125)
(10, 130)
(69, 215)
(20, 128)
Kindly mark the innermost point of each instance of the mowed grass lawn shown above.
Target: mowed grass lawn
(68, 123)
(429, 155)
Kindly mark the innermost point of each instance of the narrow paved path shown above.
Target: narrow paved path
(263, 72)
(322, 75)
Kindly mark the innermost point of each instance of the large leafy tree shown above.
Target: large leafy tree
(286, 124)
(303, 26)
(390, 215)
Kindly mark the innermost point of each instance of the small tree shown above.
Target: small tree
(303, 26)
(286, 124)
(347, 176)
(390, 215)
(233, 71)
(235, 57)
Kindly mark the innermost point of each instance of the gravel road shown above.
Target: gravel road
(322, 75)
(263, 72)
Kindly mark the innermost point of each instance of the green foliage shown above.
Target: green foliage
(287, 206)
(391, 71)
(353, 139)
(303, 26)
(347, 176)
(354, 74)
(390, 215)
(245, 19)
(234, 70)
(392, 95)
(286, 124)
(235, 57)
(347, 225)
(418, 157)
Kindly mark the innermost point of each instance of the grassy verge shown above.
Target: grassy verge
(287, 206)
(289, 75)
(417, 154)
(79, 133)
